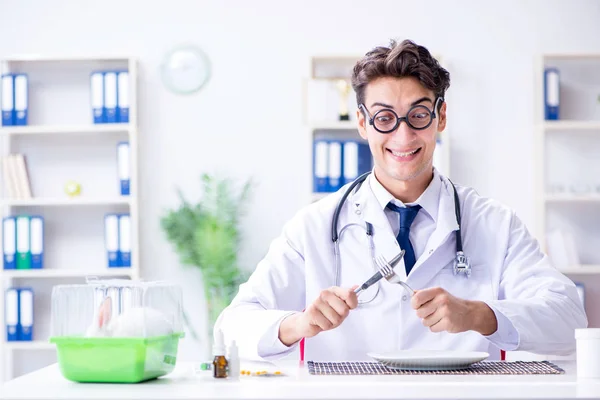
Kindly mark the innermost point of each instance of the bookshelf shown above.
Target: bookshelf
(65, 129)
(33, 345)
(323, 101)
(568, 172)
(61, 143)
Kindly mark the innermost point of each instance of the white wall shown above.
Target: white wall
(247, 121)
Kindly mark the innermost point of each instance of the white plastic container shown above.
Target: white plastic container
(234, 361)
(588, 352)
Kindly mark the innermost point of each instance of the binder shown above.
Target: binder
(10, 188)
(9, 242)
(11, 314)
(581, 292)
(21, 99)
(551, 93)
(320, 160)
(23, 243)
(36, 227)
(25, 328)
(439, 161)
(356, 158)
(123, 167)
(111, 239)
(110, 96)
(22, 176)
(15, 176)
(123, 96)
(335, 166)
(97, 97)
(125, 239)
(8, 100)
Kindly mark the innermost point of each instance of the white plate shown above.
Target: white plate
(429, 359)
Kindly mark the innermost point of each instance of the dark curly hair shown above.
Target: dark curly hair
(400, 60)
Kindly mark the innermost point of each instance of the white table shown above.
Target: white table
(186, 382)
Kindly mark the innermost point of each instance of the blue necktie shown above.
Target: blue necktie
(407, 216)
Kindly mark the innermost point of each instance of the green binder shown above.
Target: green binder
(23, 242)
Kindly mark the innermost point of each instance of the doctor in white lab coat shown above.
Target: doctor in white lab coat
(513, 300)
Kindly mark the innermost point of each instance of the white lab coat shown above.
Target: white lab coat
(509, 273)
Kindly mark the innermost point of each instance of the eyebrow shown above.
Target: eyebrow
(414, 103)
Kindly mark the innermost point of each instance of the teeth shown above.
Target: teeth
(398, 154)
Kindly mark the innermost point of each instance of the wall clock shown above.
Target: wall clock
(185, 70)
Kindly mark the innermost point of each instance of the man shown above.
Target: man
(511, 300)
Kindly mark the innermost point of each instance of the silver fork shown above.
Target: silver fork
(379, 274)
(388, 273)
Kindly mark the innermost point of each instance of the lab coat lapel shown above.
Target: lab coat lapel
(364, 207)
(432, 259)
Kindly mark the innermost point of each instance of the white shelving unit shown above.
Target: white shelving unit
(568, 168)
(34, 345)
(100, 129)
(62, 202)
(322, 104)
(61, 143)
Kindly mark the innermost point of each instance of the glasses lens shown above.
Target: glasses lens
(419, 117)
(385, 120)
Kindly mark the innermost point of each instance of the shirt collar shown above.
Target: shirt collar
(429, 199)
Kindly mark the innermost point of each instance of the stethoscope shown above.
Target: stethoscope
(462, 264)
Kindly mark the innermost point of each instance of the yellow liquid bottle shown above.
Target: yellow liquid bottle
(220, 367)
(220, 364)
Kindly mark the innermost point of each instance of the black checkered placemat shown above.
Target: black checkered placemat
(480, 368)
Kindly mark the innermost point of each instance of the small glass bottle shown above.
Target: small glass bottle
(220, 365)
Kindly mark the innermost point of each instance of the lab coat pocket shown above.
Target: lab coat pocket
(476, 287)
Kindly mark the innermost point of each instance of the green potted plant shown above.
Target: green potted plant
(206, 235)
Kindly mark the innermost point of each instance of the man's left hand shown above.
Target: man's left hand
(440, 311)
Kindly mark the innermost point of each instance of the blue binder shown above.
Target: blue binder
(581, 292)
(36, 246)
(9, 239)
(551, 94)
(111, 239)
(8, 99)
(125, 239)
(356, 159)
(335, 165)
(320, 165)
(25, 328)
(11, 314)
(123, 166)
(123, 96)
(97, 97)
(21, 99)
(110, 96)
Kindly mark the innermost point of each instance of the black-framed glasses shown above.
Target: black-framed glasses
(419, 117)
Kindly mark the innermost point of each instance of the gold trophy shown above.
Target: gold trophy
(344, 89)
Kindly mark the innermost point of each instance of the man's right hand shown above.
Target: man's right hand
(327, 312)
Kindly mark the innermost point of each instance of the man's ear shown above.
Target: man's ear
(362, 123)
(442, 118)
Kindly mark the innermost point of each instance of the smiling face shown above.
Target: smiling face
(403, 158)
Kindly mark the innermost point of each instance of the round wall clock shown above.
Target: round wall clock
(185, 70)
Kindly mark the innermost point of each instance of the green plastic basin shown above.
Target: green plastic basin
(116, 360)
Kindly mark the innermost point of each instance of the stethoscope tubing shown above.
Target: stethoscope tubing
(336, 237)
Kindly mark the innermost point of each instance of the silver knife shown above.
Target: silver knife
(377, 276)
